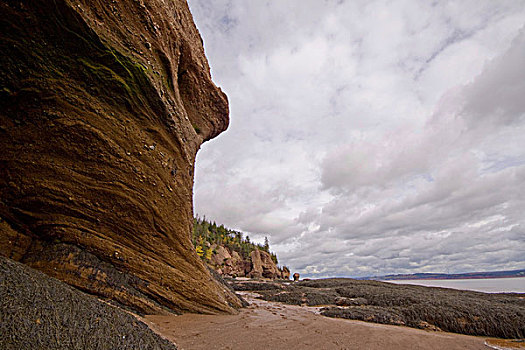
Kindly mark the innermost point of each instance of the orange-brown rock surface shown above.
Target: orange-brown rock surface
(285, 273)
(103, 106)
(263, 266)
(258, 265)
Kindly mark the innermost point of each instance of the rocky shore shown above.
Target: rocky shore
(40, 312)
(103, 107)
(271, 325)
(435, 309)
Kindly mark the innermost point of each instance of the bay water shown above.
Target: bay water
(487, 285)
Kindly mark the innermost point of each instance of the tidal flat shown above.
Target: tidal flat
(272, 325)
(500, 315)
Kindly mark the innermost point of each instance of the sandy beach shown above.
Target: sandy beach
(268, 325)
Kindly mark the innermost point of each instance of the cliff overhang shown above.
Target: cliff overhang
(103, 107)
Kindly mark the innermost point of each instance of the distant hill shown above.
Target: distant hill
(446, 276)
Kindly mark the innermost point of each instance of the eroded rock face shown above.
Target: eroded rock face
(229, 263)
(221, 255)
(285, 273)
(103, 106)
(263, 265)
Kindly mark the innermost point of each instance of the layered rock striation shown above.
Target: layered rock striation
(103, 107)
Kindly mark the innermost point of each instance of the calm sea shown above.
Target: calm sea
(488, 285)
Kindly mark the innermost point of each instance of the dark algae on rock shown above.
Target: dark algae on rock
(465, 312)
(40, 312)
(103, 106)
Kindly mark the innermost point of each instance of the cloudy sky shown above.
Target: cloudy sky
(369, 137)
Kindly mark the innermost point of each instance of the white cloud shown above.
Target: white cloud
(370, 139)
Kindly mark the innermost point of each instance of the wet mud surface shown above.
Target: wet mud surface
(272, 325)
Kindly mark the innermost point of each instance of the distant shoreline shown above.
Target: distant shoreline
(447, 278)
(484, 285)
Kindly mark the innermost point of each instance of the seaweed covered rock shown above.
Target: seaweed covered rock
(439, 309)
(103, 106)
(40, 312)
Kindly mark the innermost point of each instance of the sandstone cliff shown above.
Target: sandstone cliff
(260, 264)
(103, 106)
(231, 253)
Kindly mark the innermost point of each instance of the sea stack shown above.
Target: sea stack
(103, 107)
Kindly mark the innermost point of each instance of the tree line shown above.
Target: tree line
(207, 233)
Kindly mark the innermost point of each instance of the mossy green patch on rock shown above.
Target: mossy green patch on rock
(90, 138)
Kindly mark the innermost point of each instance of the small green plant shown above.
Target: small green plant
(197, 129)
(199, 251)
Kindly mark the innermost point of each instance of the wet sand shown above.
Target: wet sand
(267, 325)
